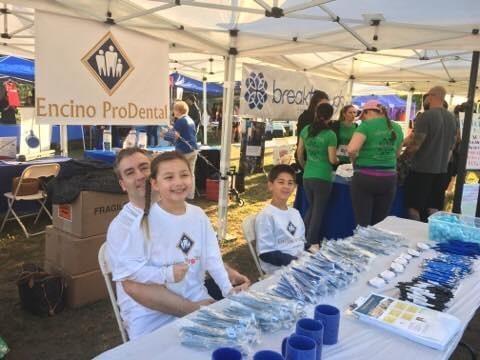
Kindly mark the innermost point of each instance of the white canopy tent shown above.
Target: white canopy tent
(403, 43)
(409, 44)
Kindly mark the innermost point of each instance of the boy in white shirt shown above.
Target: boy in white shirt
(279, 229)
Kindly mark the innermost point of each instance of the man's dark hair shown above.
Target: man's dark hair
(123, 154)
(190, 97)
(279, 169)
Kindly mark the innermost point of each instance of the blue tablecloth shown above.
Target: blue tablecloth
(109, 156)
(339, 219)
(9, 171)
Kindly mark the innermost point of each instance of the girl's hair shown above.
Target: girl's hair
(317, 96)
(163, 157)
(382, 111)
(393, 134)
(343, 111)
(323, 114)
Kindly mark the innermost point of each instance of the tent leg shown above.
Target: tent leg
(467, 124)
(205, 114)
(64, 140)
(226, 139)
(408, 109)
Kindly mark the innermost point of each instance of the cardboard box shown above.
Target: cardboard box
(90, 214)
(72, 254)
(81, 289)
(85, 288)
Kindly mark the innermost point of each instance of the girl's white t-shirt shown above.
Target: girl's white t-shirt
(173, 239)
(277, 229)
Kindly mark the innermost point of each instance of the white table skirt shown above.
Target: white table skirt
(356, 340)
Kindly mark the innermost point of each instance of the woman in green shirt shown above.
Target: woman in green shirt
(374, 149)
(320, 144)
(344, 129)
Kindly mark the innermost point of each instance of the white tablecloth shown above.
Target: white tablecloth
(356, 340)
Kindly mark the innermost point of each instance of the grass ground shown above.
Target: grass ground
(85, 332)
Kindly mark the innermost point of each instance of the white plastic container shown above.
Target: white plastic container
(107, 140)
(142, 140)
(130, 140)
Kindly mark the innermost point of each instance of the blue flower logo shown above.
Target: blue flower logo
(256, 90)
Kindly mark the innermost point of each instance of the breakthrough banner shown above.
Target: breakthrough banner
(269, 92)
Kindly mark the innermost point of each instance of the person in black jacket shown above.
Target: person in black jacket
(344, 129)
(193, 109)
(306, 118)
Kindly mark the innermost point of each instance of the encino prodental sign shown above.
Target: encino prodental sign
(268, 92)
(90, 73)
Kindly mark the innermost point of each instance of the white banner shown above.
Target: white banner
(268, 92)
(473, 157)
(88, 72)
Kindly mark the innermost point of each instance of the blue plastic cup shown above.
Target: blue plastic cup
(267, 355)
(226, 353)
(299, 347)
(314, 330)
(330, 317)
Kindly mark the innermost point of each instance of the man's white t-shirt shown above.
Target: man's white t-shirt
(277, 229)
(173, 239)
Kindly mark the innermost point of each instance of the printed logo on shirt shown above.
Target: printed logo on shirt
(291, 228)
(185, 244)
(108, 63)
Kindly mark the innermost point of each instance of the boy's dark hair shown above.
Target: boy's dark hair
(123, 154)
(279, 169)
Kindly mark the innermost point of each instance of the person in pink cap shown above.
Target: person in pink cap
(374, 149)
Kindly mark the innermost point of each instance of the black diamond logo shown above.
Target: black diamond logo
(108, 63)
(185, 244)
(291, 228)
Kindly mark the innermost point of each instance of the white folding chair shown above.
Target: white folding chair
(105, 268)
(31, 172)
(248, 226)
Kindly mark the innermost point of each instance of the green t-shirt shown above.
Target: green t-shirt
(379, 150)
(345, 134)
(318, 166)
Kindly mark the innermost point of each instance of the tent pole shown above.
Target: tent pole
(64, 140)
(205, 115)
(351, 79)
(408, 109)
(229, 86)
(467, 124)
(348, 95)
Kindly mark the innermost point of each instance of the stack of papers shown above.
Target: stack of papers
(425, 326)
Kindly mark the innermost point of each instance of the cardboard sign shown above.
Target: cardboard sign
(8, 147)
(473, 159)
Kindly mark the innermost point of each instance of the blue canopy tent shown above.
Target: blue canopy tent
(18, 68)
(195, 86)
(21, 69)
(395, 105)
